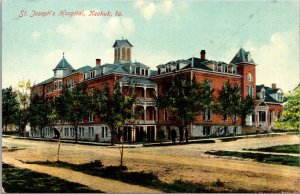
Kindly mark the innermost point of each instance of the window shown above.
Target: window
(263, 94)
(226, 68)
(143, 71)
(234, 70)
(206, 130)
(102, 134)
(60, 84)
(249, 77)
(106, 129)
(271, 116)
(279, 97)
(119, 52)
(278, 115)
(91, 132)
(207, 115)
(165, 114)
(72, 132)
(123, 53)
(91, 118)
(249, 90)
(137, 70)
(66, 132)
(55, 85)
(81, 119)
(215, 67)
(81, 131)
(128, 54)
(147, 73)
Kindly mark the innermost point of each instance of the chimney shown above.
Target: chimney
(273, 86)
(202, 54)
(98, 62)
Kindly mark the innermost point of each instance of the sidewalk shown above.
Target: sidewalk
(93, 182)
(164, 143)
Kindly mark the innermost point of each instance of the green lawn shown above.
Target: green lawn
(266, 158)
(16, 180)
(281, 149)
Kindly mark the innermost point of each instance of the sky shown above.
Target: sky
(160, 31)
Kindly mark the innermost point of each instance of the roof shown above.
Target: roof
(63, 64)
(45, 81)
(198, 63)
(242, 57)
(137, 80)
(268, 97)
(80, 70)
(138, 64)
(121, 43)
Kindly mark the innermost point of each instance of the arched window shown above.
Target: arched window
(128, 54)
(249, 77)
(123, 53)
(119, 51)
(116, 53)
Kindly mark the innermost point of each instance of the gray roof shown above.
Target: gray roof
(121, 43)
(45, 81)
(242, 57)
(268, 97)
(63, 64)
(137, 80)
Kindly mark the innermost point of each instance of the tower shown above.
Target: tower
(246, 68)
(122, 51)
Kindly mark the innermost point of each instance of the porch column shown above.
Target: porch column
(154, 132)
(145, 91)
(156, 114)
(145, 113)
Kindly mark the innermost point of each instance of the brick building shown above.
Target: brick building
(147, 82)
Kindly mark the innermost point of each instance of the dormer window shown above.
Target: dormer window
(147, 72)
(279, 97)
(234, 70)
(225, 68)
(263, 94)
(143, 72)
(215, 67)
(249, 77)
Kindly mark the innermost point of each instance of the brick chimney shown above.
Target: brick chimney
(202, 54)
(98, 62)
(273, 86)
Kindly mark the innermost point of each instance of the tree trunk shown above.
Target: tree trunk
(58, 149)
(180, 134)
(122, 154)
(186, 135)
(5, 128)
(113, 136)
(41, 133)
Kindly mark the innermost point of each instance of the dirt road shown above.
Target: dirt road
(187, 162)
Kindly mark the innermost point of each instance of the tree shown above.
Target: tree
(231, 104)
(77, 105)
(185, 99)
(115, 110)
(10, 106)
(58, 114)
(291, 113)
(39, 113)
(23, 96)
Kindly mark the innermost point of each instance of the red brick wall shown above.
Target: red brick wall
(218, 80)
(275, 108)
(244, 69)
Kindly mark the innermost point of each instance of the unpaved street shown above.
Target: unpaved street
(187, 162)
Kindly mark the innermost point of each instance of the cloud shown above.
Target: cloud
(149, 8)
(278, 59)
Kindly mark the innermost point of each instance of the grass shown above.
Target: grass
(265, 158)
(147, 179)
(16, 180)
(281, 149)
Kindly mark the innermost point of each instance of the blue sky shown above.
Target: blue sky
(159, 30)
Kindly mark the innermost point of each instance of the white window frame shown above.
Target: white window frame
(249, 77)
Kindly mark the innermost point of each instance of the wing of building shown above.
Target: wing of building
(146, 82)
